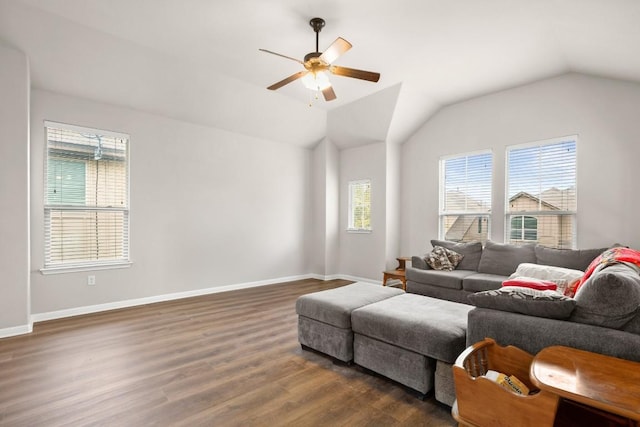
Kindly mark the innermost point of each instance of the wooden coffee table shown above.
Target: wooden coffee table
(595, 380)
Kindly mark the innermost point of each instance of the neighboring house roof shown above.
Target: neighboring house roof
(460, 198)
(534, 198)
(460, 228)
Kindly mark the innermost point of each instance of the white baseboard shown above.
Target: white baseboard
(78, 311)
(346, 277)
(16, 330)
(361, 279)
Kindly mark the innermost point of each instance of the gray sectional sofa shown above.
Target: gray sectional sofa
(485, 268)
(414, 337)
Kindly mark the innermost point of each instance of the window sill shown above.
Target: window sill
(90, 267)
(358, 231)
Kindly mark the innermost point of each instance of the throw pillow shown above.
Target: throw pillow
(609, 298)
(471, 251)
(504, 258)
(532, 283)
(549, 304)
(443, 259)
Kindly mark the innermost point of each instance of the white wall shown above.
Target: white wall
(362, 255)
(209, 207)
(324, 250)
(393, 206)
(14, 192)
(604, 114)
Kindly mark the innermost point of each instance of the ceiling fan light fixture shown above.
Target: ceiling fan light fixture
(316, 81)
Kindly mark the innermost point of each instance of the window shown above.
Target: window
(465, 197)
(541, 193)
(524, 228)
(86, 198)
(360, 205)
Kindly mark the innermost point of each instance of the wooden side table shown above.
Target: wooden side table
(398, 273)
(394, 274)
(594, 380)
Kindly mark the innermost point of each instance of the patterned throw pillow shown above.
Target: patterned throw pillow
(443, 259)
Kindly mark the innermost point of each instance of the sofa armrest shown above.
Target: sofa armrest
(419, 262)
(532, 333)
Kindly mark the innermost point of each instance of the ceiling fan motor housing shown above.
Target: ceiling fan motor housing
(308, 56)
(317, 24)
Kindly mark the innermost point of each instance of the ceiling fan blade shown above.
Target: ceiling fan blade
(329, 94)
(288, 80)
(337, 48)
(356, 74)
(284, 56)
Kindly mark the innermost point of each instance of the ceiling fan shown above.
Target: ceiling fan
(318, 64)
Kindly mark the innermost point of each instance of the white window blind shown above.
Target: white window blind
(360, 205)
(465, 197)
(541, 193)
(86, 197)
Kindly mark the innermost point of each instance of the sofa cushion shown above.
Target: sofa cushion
(419, 262)
(575, 259)
(428, 326)
(471, 252)
(527, 301)
(609, 298)
(482, 282)
(443, 279)
(504, 258)
(334, 306)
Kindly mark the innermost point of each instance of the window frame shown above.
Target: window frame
(539, 214)
(481, 216)
(350, 213)
(86, 265)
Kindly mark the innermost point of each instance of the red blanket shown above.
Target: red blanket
(609, 257)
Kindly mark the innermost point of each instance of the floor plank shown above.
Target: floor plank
(223, 359)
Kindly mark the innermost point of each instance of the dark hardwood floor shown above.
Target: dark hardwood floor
(224, 359)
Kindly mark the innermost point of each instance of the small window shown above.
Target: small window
(541, 193)
(360, 205)
(86, 198)
(465, 197)
(524, 228)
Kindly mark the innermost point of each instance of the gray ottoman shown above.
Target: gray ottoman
(324, 318)
(403, 337)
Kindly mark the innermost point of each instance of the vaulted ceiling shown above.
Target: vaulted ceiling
(198, 60)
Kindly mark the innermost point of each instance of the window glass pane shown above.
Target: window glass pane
(465, 188)
(65, 182)
(516, 222)
(360, 205)
(541, 180)
(465, 228)
(530, 222)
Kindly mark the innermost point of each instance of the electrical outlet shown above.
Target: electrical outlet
(91, 280)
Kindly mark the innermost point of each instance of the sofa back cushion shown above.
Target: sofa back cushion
(471, 252)
(504, 258)
(530, 302)
(609, 298)
(575, 259)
